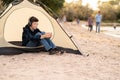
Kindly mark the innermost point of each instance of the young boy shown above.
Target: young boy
(33, 37)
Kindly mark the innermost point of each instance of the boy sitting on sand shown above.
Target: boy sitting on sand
(33, 37)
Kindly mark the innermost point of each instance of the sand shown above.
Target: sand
(103, 62)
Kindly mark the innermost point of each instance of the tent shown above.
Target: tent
(15, 17)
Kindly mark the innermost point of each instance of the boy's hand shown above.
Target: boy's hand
(47, 35)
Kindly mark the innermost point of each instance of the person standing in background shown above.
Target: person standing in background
(78, 21)
(98, 18)
(64, 18)
(114, 25)
(90, 23)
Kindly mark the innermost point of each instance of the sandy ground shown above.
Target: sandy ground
(103, 63)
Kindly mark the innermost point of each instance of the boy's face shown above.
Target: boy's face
(34, 25)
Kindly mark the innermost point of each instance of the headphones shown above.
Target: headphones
(31, 20)
(29, 23)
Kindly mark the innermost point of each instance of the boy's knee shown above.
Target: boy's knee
(38, 34)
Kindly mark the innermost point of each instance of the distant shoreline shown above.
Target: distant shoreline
(108, 30)
(105, 24)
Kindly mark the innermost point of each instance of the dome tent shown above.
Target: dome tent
(15, 17)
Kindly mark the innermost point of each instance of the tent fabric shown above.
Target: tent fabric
(15, 17)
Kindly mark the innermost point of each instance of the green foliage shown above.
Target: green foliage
(111, 10)
(108, 12)
(118, 13)
(76, 10)
(6, 2)
(55, 5)
(114, 2)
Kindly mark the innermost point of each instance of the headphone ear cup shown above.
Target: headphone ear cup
(29, 23)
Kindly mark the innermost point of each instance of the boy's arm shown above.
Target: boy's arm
(46, 35)
(30, 37)
(43, 35)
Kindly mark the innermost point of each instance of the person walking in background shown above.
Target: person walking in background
(90, 23)
(78, 21)
(98, 18)
(114, 26)
(64, 18)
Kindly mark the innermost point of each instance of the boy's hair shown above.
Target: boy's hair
(31, 20)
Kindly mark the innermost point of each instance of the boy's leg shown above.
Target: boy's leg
(46, 44)
(38, 34)
(32, 44)
(51, 43)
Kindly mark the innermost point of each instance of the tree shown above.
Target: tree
(114, 2)
(108, 11)
(76, 10)
(118, 13)
(55, 5)
(6, 2)
(0, 4)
